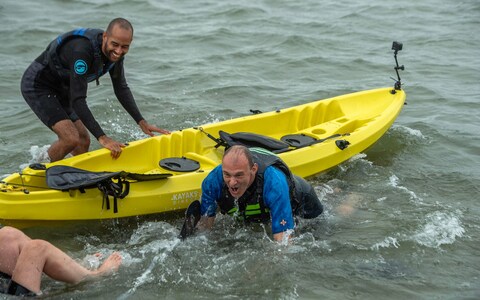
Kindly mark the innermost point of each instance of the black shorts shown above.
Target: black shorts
(309, 205)
(4, 282)
(46, 103)
(19, 290)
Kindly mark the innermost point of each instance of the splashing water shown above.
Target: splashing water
(394, 182)
(441, 228)
(386, 243)
(412, 132)
(39, 155)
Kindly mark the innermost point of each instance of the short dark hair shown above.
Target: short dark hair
(123, 23)
(238, 150)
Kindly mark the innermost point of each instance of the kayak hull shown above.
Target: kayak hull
(358, 119)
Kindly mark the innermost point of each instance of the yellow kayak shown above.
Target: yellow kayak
(164, 173)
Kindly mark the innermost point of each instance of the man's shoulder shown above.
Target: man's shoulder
(215, 174)
(75, 49)
(274, 175)
(79, 44)
(273, 170)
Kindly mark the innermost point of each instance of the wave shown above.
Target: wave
(394, 182)
(440, 228)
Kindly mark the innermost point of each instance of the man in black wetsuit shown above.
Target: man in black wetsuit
(55, 86)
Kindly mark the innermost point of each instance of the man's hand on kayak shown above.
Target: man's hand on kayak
(112, 145)
(149, 129)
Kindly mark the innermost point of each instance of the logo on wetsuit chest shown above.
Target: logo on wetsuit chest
(80, 67)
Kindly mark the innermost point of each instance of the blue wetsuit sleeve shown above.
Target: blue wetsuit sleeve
(276, 196)
(122, 91)
(211, 192)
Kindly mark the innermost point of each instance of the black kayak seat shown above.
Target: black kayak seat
(298, 140)
(179, 164)
(250, 140)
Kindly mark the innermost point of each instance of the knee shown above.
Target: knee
(80, 139)
(36, 247)
(8, 231)
(10, 235)
(84, 140)
(77, 142)
(73, 140)
(12, 242)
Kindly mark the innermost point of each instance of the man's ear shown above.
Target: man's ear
(104, 37)
(255, 168)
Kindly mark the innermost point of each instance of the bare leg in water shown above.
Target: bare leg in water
(11, 243)
(34, 257)
(72, 138)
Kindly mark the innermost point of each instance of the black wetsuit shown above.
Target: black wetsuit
(55, 97)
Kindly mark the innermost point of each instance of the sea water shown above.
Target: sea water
(401, 219)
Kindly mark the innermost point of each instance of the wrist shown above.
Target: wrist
(102, 138)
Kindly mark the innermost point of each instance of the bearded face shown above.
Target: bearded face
(116, 43)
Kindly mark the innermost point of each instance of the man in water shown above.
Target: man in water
(255, 185)
(55, 86)
(23, 261)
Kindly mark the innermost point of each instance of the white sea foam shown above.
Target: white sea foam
(413, 132)
(360, 157)
(386, 243)
(381, 199)
(39, 155)
(323, 190)
(91, 261)
(394, 182)
(160, 247)
(357, 157)
(440, 228)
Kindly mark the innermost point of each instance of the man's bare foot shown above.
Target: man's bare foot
(110, 265)
(349, 206)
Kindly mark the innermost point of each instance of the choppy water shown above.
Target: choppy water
(401, 220)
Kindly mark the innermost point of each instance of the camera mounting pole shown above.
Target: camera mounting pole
(396, 46)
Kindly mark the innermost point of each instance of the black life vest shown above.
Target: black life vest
(251, 207)
(52, 57)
